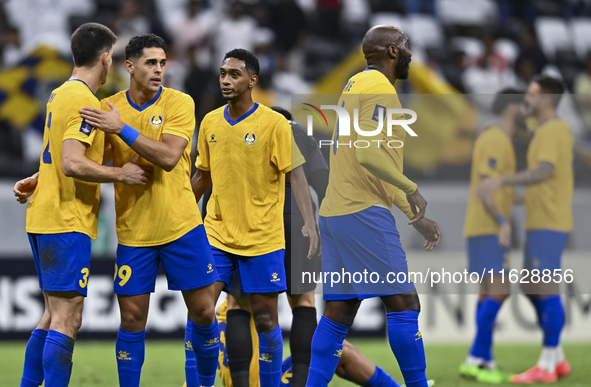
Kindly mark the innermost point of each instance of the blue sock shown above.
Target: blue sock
(271, 357)
(206, 346)
(552, 320)
(130, 349)
(536, 301)
(327, 346)
(485, 322)
(381, 379)
(57, 359)
(406, 342)
(190, 361)
(33, 371)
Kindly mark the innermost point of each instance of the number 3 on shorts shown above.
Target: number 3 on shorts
(124, 272)
(84, 281)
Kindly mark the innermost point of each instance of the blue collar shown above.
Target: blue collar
(147, 104)
(242, 118)
(80, 80)
(368, 69)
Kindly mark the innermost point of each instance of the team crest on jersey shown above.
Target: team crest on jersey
(492, 163)
(156, 120)
(250, 137)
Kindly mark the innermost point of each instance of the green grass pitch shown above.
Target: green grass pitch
(94, 363)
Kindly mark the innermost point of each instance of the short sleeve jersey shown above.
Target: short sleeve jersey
(548, 205)
(247, 159)
(351, 187)
(63, 204)
(493, 156)
(164, 209)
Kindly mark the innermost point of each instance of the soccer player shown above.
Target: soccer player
(62, 215)
(488, 230)
(549, 184)
(245, 150)
(158, 223)
(358, 231)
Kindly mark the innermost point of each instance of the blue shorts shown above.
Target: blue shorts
(259, 274)
(366, 245)
(62, 261)
(543, 249)
(187, 262)
(485, 253)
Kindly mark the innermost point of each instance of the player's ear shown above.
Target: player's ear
(129, 66)
(253, 81)
(393, 52)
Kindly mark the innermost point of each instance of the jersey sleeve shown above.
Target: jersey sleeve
(491, 154)
(76, 127)
(547, 138)
(202, 161)
(403, 205)
(182, 121)
(285, 154)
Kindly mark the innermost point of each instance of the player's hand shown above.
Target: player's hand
(109, 122)
(430, 230)
(134, 174)
(309, 231)
(23, 189)
(488, 185)
(505, 235)
(418, 206)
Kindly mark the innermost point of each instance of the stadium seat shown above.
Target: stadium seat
(387, 18)
(581, 36)
(473, 12)
(471, 46)
(552, 34)
(424, 31)
(508, 49)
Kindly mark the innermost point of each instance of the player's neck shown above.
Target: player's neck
(545, 115)
(90, 76)
(384, 70)
(140, 96)
(507, 125)
(239, 107)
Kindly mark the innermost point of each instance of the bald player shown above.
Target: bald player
(357, 229)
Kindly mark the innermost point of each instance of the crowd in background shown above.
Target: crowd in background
(477, 46)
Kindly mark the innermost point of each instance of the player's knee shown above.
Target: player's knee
(133, 319)
(203, 315)
(264, 322)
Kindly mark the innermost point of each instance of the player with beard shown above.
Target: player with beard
(358, 231)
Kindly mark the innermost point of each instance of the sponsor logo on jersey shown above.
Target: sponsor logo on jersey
(275, 277)
(212, 138)
(86, 128)
(209, 268)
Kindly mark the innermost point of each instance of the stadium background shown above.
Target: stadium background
(461, 49)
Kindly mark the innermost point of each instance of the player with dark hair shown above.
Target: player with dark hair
(62, 215)
(488, 230)
(357, 229)
(549, 184)
(245, 150)
(158, 223)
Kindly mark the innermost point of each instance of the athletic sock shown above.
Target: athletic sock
(381, 379)
(57, 359)
(130, 350)
(190, 361)
(548, 357)
(206, 345)
(271, 357)
(327, 346)
(406, 342)
(559, 355)
(239, 346)
(536, 301)
(33, 370)
(300, 342)
(552, 320)
(485, 322)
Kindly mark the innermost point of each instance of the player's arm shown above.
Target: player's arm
(200, 182)
(23, 189)
(76, 164)
(165, 154)
(301, 192)
(487, 198)
(108, 155)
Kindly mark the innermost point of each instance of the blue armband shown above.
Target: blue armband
(128, 134)
(501, 220)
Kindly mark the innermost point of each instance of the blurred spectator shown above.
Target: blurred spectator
(420, 6)
(286, 83)
(491, 58)
(193, 29)
(130, 21)
(329, 14)
(234, 30)
(200, 80)
(176, 69)
(509, 10)
(583, 95)
(289, 24)
(526, 70)
(490, 72)
(530, 51)
(454, 71)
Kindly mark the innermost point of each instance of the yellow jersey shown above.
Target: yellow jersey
(351, 187)
(548, 205)
(247, 159)
(63, 204)
(493, 156)
(221, 313)
(164, 209)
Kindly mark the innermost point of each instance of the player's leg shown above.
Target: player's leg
(33, 367)
(190, 267)
(239, 341)
(303, 326)
(356, 367)
(64, 261)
